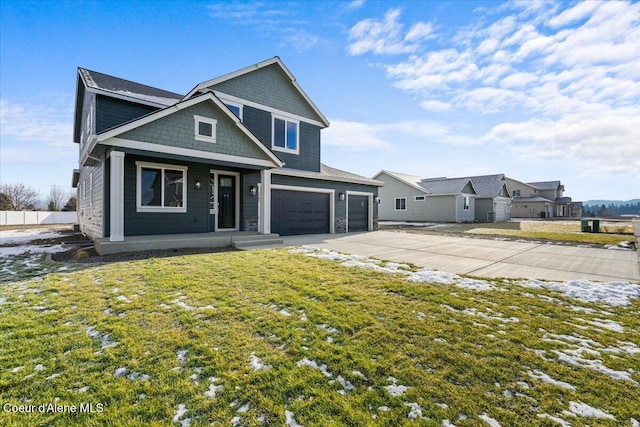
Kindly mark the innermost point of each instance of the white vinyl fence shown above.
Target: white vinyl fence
(37, 217)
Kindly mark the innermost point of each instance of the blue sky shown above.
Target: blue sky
(536, 90)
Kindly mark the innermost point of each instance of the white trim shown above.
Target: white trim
(161, 208)
(320, 177)
(251, 68)
(419, 198)
(116, 196)
(197, 135)
(395, 204)
(215, 191)
(217, 173)
(227, 101)
(286, 121)
(127, 98)
(332, 199)
(264, 216)
(369, 209)
(103, 137)
(245, 102)
(187, 152)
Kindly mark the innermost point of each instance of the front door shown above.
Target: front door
(226, 202)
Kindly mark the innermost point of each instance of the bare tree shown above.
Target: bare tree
(56, 199)
(71, 204)
(18, 196)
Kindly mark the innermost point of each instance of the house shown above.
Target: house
(493, 200)
(238, 153)
(541, 200)
(411, 198)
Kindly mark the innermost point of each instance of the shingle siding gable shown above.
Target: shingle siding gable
(269, 86)
(178, 130)
(112, 112)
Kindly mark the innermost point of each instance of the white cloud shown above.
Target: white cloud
(384, 37)
(355, 4)
(558, 81)
(353, 136)
(50, 122)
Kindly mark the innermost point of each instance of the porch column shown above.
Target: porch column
(116, 197)
(265, 201)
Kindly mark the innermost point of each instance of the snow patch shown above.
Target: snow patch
(560, 421)
(290, 419)
(314, 365)
(395, 390)
(213, 388)
(182, 409)
(415, 412)
(584, 410)
(539, 375)
(491, 421)
(612, 293)
(256, 363)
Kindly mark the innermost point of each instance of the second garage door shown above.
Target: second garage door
(358, 214)
(299, 212)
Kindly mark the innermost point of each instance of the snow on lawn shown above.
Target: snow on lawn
(612, 293)
(584, 410)
(576, 347)
(12, 237)
(257, 364)
(539, 375)
(34, 249)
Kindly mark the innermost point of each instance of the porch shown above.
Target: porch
(236, 239)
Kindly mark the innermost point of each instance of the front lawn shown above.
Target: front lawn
(278, 338)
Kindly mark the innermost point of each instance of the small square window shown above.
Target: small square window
(205, 129)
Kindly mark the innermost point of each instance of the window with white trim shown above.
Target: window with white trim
(466, 203)
(161, 188)
(516, 193)
(285, 134)
(419, 198)
(401, 203)
(235, 108)
(205, 129)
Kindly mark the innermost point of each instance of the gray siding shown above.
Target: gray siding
(90, 200)
(197, 219)
(269, 86)
(178, 130)
(111, 112)
(483, 207)
(393, 188)
(339, 187)
(259, 122)
(465, 215)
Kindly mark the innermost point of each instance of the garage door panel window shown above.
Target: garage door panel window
(401, 203)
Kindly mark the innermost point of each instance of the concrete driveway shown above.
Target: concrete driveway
(484, 257)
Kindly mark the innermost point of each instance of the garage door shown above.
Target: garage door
(358, 214)
(501, 211)
(299, 212)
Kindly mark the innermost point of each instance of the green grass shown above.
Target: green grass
(366, 327)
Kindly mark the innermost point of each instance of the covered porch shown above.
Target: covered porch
(236, 239)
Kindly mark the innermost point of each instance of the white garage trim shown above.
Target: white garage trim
(332, 198)
(370, 209)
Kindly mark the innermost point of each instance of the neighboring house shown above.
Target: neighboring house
(541, 200)
(411, 198)
(493, 200)
(240, 152)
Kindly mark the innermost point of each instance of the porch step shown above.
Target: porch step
(266, 241)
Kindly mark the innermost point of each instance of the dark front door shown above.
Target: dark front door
(226, 201)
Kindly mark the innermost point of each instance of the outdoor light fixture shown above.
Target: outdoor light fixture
(341, 196)
(253, 190)
(197, 184)
(378, 199)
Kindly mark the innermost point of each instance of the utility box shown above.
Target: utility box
(584, 226)
(491, 216)
(596, 226)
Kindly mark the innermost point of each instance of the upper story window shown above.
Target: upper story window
(235, 109)
(285, 134)
(516, 193)
(205, 129)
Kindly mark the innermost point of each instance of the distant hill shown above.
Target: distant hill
(610, 202)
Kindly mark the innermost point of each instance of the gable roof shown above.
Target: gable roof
(410, 180)
(446, 185)
(207, 96)
(273, 61)
(546, 185)
(431, 186)
(489, 185)
(126, 89)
